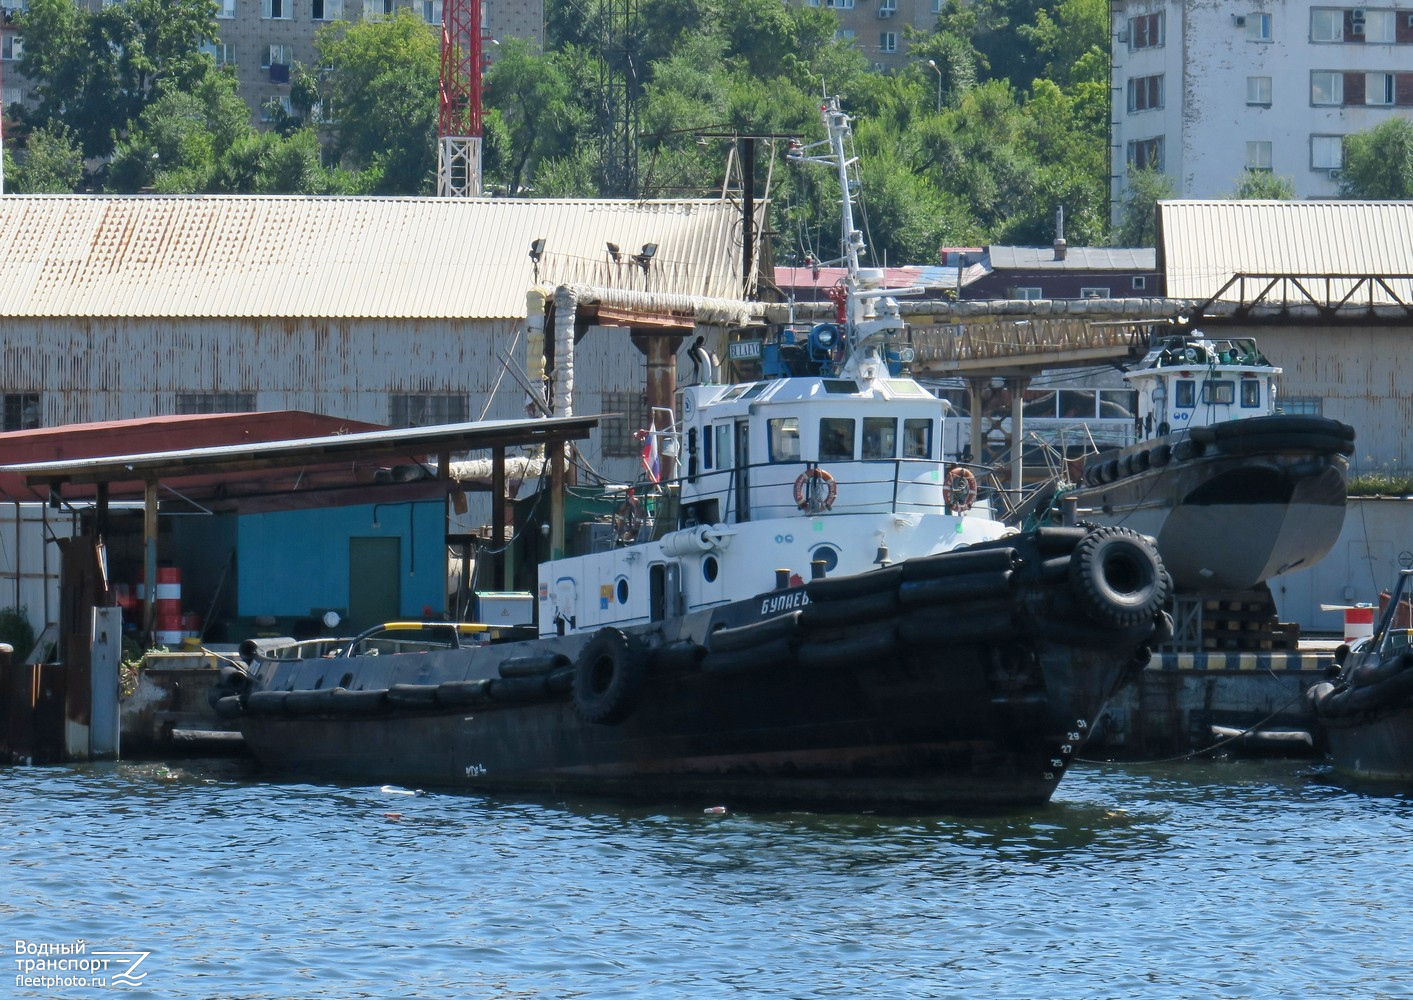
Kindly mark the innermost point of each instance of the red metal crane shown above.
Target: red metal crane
(459, 120)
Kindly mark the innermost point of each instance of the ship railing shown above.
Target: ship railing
(842, 486)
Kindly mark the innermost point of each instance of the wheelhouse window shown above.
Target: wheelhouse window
(1219, 391)
(1118, 403)
(917, 438)
(1250, 393)
(722, 458)
(1185, 394)
(836, 439)
(1077, 403)
(880, 438)
(784, 438)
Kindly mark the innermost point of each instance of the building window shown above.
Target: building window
(12, 47)
(1094, 293)
(1145, 93)
(888, 41)
(21, 411)
(376, 10)
(1258, 90)
(275, 55)
(840, 4)
(11, 95)
(215, 402)
(1326, 87)
(1374, 26)
(426, 409)
(1326, 24)
(1140, 282)
(275, 9)
(1312, 406)
(226, 9)
(891, 6)
(938, 5)
(1258, 27)
(328, 10)
(1146, 154)
(1326, 152)
(1027, 293)
(1258, 155)
(844, 35)
(222, 52)
(1145, 32)
(432, 11)
(616, 433)
(1378, 88)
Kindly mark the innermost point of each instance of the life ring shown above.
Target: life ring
(609, 677)
(1118, 578)
(961, 489)
(815, 490)
(628, 520)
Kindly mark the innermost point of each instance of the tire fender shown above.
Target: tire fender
(608, 677)
(1118, 578)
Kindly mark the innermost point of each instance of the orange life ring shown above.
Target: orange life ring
(628, 519)
(815, 490)
(961, 489)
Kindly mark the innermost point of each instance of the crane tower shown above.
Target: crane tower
(459, 118)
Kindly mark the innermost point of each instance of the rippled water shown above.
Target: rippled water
(1223, 879)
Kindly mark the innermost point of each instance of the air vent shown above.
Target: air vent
(1239, 20)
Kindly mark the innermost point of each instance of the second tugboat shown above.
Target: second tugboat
(1234, 491)
(827, 622)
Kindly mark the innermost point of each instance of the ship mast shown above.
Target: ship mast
(870, 312)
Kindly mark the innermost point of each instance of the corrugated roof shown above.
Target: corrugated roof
(256, 256)
(1205, 243)
(1076, 258)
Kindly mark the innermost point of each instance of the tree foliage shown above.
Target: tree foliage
(52, 163)
(98, 70)
(1379, 163)
(1138, 220)
(1262, 184)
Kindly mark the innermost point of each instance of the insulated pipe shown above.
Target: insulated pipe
(566, 309)
(535, 301)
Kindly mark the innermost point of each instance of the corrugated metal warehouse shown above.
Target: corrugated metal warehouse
(390, 311)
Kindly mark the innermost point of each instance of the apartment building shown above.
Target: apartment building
(262, 39)
(1205, 92)
(876, 26)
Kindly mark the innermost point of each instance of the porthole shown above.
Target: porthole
(710, 569)
(826, 554)
(622, 590)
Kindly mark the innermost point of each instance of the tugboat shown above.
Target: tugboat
(1234, 491)
(1367, 710)
(829, 619)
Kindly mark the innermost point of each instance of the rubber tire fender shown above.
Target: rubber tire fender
(1118, 578)
(608, 677)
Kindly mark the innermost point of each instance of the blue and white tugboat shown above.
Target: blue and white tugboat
(828, 620)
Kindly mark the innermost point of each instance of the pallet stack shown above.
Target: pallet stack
(1245, 621)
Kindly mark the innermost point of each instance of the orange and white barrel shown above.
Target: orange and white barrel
(1358, 623)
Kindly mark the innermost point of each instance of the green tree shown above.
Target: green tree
(1262, 184)
(383, 90)
(97, 70)
(1138, 220)
(1379, 163)
(52, 163)
(531, 94)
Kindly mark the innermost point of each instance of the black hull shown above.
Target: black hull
(1368, 721)
(900, 690)
(1230, 507)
